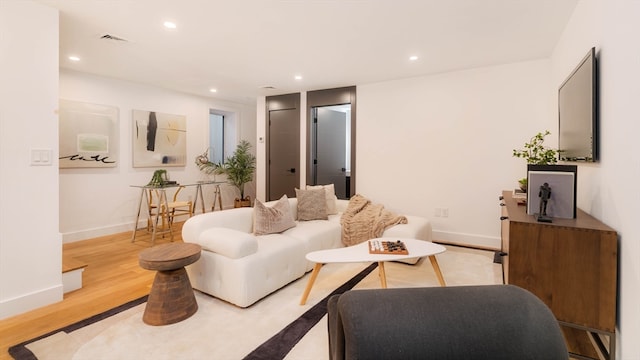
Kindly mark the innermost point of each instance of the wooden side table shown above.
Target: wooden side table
(171, 298)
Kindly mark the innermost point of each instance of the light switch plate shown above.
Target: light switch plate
(41, 157)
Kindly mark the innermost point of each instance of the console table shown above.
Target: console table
(162, 200)
(571, 265)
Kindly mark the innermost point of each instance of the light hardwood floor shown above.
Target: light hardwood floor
(112, 277)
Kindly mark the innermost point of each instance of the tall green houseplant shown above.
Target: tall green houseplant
(238, 168)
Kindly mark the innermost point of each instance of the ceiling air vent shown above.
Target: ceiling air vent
(267, 87)
(112, 37)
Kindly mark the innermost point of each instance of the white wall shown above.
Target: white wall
(607, 189)
(446, 141)
(30, 245)
(95, 202)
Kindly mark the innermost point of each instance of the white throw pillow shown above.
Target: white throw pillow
(330, 195)
(274, 219)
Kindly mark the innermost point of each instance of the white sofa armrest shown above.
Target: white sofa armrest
(231, 243)
(240, 219)
(341, 205)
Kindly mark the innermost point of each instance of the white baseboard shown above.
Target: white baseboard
(74, 236)
(485, 242)
(27, 302)
(80, 235)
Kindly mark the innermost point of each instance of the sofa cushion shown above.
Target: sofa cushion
(311, 204)
(231, 243)
(317, 234)
(330, 196)
(272, 219)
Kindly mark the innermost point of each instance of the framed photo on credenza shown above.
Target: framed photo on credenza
(561, 181)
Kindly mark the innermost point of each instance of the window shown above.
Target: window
(216, 138)
(222, 135)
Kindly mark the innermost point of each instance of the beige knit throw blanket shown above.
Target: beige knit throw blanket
(363, 220)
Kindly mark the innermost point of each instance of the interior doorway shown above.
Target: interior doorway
(331, 134)
(331, 147)
(283, 145)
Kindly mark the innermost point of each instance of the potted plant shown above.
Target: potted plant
(238, 168)
(534, 152)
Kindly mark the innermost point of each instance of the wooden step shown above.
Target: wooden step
(71, 264)
(72, 270)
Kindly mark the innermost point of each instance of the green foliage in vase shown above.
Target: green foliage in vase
(534, 151)
(523, 184)
(238, 168)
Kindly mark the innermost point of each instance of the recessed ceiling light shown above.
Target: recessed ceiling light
(213, 90)
(298, 77)
(413, 58)
(74, 58)
(169, 25)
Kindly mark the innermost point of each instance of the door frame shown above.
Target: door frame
(277, 102)
(329, 97)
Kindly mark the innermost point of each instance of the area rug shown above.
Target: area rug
(276, 327)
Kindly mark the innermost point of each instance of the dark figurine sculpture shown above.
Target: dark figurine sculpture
(545, 195)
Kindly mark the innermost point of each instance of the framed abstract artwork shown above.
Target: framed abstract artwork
(159, 140)
(88, 135)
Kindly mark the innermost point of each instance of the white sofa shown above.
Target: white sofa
(241, 268)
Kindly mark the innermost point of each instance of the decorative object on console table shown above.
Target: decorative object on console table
(523, 184)
(160, 179)
(544, 194)
(575, 258)
(204, 164)
(520, 195)
(535, 153)
(561, 180)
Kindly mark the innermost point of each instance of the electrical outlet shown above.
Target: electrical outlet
(445, 212)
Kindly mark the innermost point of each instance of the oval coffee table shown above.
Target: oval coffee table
(360, 253)
(171, 298)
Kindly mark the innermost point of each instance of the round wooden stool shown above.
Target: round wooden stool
(171, 298)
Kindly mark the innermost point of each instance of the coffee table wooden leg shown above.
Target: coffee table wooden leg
(312, 279)
(382, 274)
(436, 268)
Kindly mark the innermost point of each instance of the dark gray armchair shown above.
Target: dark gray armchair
(464, 322)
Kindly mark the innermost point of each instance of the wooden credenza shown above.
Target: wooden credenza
(571, 265)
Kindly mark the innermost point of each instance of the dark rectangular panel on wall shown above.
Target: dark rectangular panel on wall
(283, 102)
(327, 97)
